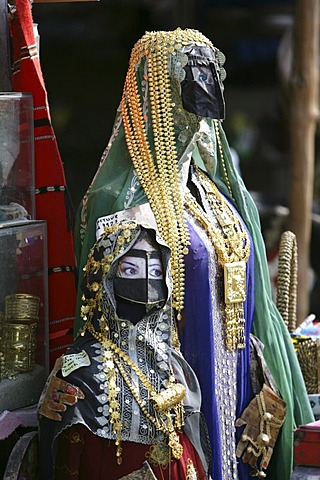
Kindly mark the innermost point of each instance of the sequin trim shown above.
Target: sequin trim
(148, 345)
(225, 364)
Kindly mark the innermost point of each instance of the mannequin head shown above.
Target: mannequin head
(202, 89)
(139, 276)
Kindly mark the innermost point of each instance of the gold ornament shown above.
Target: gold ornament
(167, 403)
(232, 246)
(169, 397)
(22, 308)
(159, 174)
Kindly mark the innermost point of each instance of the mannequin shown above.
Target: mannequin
(167, 169)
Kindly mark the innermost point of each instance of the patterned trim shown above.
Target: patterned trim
(27, 52)
(53, 188)
(65, 319)
(61, 268)
(41, 107)
(45, 137)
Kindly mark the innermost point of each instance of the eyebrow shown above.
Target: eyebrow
(129, 263)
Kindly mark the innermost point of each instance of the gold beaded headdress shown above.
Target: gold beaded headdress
(167, 404)
(158, 173)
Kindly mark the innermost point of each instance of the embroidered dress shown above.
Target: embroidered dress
(202, 330)
(141, 359)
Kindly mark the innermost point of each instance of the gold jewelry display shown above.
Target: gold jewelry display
(167, 404)
(159, 176)
(232, 246)
(18, 346)
(18, 333)
(22, 307)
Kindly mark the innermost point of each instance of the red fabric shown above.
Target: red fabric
(85, 456)
(50, 206)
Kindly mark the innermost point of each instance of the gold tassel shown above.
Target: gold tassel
(235, 295)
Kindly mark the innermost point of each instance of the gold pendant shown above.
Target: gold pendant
(159, 454)
(175, 445)
(234, 282)
(169, 397)
(235, 295)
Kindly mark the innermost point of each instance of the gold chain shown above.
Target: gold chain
(232, 240)
(162, 419)
(232, 246)
(225, 252)
(159, 175)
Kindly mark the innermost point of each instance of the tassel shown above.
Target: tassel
(235, 295)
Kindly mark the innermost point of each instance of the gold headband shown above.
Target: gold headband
(168, 42)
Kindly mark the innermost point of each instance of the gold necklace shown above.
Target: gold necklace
(166, 403)
(158, 174)
(233, 237)
(232, 246)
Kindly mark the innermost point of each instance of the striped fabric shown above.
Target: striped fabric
(52, 201)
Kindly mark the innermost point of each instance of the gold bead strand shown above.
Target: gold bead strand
(216, 128)
(179, 236)
(138, 144)
(166, 162)
(155, 92)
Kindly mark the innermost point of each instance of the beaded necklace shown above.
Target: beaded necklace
(159, 174)
(232, 246)
(167, 405)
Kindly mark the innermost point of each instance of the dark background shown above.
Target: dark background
(85, 50)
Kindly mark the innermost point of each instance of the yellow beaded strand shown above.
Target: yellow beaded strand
(159, 175)
(232, 246)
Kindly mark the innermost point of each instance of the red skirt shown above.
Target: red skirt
(84, 456)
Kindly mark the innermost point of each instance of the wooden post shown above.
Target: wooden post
(5, 64)
(303, 119)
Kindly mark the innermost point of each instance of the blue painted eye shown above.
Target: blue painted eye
(203, 77)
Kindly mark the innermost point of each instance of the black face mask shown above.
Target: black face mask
(141, 288)
(201, 90)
